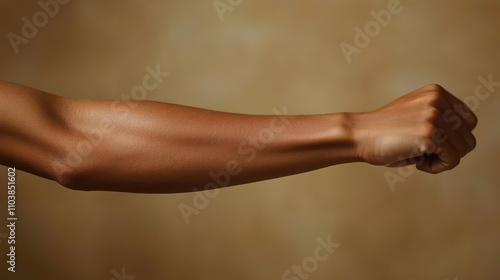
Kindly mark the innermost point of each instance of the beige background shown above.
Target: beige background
(264, 55)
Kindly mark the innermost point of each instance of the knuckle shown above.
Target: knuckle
(431, 99)
(427, 129)
(427, 145)
(434, 88)
(433, 114)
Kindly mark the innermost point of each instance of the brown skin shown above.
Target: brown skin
(153, 147)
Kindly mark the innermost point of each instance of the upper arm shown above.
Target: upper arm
(33, 129)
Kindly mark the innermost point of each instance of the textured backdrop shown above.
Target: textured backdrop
(251, 57)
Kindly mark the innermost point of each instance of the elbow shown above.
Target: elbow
(68, 178)
(70, 165)
(69, 175)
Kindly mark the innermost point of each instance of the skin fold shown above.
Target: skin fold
(154, 147)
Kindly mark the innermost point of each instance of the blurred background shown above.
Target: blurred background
(250, 57)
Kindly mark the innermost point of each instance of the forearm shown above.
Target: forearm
(153, 147)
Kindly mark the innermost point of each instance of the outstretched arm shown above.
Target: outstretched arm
(153, 147)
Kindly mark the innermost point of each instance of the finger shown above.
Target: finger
(454, 110)
(460, 108)
(451, 119)
(468, 137)
(444, 132)
(443, 158)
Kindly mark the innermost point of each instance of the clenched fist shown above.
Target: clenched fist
(428, 127)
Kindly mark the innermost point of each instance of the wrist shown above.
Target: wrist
(345, 138)
(358, 124)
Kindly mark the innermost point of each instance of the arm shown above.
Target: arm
(152, 147)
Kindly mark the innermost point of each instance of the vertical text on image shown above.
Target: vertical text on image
(11, 218)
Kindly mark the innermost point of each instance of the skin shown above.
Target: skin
(153, 147)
